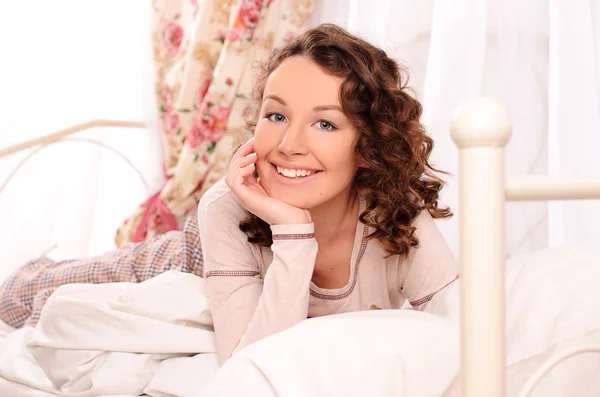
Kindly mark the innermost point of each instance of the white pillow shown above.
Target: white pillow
(553, 305)
(372, 353)
(183, 376)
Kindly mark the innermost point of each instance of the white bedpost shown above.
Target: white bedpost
(480, 129)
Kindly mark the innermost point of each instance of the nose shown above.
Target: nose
(293, 141)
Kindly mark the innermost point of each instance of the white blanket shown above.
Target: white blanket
(553, 305)
(110, 339)
(157, 338)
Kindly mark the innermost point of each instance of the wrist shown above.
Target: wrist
(295, 228)
(293, 221)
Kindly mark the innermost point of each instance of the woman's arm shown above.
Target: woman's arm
(430, 267)
(244, 307)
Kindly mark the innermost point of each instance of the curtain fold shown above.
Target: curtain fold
(540, 58)
(204, 53)
(573, 113)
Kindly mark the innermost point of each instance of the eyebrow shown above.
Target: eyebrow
(320, 108)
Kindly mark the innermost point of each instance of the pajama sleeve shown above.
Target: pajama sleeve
(246, 308)
(430, 267)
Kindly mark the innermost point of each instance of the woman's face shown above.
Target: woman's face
(303, 141)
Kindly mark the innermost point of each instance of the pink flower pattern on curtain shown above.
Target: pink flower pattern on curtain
(204, 53)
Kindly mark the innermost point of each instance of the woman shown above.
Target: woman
(329, 207)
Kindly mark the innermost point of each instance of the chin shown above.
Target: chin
(298, 201)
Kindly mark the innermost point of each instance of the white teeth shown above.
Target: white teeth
(293, 173)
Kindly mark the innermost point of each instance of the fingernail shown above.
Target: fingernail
(251, 154)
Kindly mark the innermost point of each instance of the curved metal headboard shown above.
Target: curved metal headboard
(88, 140)
(58, 135)
(62, 136)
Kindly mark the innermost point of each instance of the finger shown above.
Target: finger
(243, 162)
(244, 150)
(259, 186)
(238, 162)
(243, 178)
(242, 174)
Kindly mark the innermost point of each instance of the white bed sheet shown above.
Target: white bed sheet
(112, 339)
(156, 338)
(13, 389)
(553, 304)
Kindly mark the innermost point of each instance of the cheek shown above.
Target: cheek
(265, 139)
(260, 149)
(340, 158)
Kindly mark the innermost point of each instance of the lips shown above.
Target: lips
(294, 173)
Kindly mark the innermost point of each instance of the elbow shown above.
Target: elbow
(225, 354)
(421, 304)
(223, 357)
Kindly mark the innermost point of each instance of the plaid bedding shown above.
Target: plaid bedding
(25, 292)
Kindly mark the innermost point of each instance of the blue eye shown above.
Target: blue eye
(325, 125)
(276, 117)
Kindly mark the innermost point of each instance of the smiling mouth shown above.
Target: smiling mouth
(295, 173)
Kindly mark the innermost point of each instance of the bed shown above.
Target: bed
(480, 129)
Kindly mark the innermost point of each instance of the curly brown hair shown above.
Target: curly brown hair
(395, 178)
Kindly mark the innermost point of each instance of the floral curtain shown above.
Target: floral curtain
(204, 51)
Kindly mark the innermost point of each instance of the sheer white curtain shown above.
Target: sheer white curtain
(66, 62)
(540, 58)
(574, 112)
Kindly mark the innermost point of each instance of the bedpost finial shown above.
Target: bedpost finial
(480, 122)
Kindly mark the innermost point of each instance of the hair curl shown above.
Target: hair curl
(395, 177)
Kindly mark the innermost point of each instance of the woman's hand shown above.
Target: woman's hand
(240, 179)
